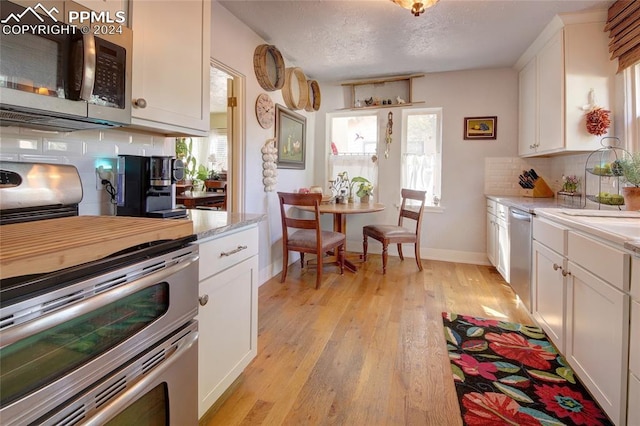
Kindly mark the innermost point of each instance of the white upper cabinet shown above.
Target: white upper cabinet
(171, 49)
(566, 69)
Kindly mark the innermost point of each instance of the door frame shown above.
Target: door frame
(235, 138)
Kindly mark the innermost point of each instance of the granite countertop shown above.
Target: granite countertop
(528, 204)
(618, 227)
(208, 223)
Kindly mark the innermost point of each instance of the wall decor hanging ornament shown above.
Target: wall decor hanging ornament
(598, 119)
(269, 166)
(387, 138)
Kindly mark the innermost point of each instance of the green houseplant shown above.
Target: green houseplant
(365, 188)
(630, 169)
(184, 151)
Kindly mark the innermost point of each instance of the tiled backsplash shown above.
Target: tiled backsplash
(86, 150)
(501, 173)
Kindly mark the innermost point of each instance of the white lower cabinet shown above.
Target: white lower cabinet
(597, 339)
(228, 312)
(498, 237)
(549, 292)
(633, 410)
(581, 300)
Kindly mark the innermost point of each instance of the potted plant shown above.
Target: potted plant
(184, 151)
(365, 188)
(630, 168)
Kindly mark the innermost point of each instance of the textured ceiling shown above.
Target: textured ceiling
(337, 40)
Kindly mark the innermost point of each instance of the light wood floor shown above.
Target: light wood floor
(364, 349)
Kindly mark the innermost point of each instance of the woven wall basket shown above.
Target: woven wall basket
(268, 61)
(296, 90)
(314, 96)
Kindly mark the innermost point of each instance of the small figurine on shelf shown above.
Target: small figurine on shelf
(399, 100)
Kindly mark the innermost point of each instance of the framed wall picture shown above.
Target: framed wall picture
(480, 127)
(291, 131)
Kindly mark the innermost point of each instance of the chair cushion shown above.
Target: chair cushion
(388, 231)
(307, 238)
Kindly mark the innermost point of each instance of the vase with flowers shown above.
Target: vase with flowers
(570, 183)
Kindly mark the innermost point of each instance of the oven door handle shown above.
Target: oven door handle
(114, 407)
(30, 328)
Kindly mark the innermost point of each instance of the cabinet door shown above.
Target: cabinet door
(114, 7)
(598, 338)
(548, 291)
(503, 249)
(228, 329)
(633, 413)
(171, 68)
(551, 95)
(492, 246)
(528, 110)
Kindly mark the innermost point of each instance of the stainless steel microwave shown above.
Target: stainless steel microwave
(63, 66)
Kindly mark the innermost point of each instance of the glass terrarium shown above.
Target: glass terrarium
(602, 176)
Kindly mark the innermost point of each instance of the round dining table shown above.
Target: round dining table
(340, 212)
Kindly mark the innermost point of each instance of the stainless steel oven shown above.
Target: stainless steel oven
(111, 341)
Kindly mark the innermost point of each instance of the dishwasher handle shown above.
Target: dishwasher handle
(520, 215)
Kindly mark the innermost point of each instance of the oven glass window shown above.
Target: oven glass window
(32, 363)
(152, 409)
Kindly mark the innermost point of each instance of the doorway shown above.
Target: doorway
(226, 149)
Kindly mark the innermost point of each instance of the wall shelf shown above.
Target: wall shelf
(382, 89)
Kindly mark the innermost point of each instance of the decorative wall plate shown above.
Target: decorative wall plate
(295, 91)
(269, 67)
(265, 111)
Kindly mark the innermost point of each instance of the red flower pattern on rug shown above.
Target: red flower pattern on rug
(510, 374)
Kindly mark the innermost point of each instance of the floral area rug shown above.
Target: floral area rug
(510, 374)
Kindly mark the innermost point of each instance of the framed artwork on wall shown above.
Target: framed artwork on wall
(480, 127)
(290, 138)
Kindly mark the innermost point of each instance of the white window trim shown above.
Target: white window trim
(406, 112)
(631, 123)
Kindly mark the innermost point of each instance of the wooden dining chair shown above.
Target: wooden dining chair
(307, 237)
(398, 234)
(218, 186)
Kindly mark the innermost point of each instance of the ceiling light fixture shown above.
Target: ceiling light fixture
(416, 6)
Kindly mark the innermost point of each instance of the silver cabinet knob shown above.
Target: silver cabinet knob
(556, 267)
(203, 300)
(140, 103)
(565, 273)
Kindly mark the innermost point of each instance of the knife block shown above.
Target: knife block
(540, 190)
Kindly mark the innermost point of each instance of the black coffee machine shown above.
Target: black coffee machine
(145, 186)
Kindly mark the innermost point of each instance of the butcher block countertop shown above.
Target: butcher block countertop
(49, 245)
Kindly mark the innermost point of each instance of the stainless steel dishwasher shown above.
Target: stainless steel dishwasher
(520, 226)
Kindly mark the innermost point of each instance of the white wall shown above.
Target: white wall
(458, 232)
(233, 44)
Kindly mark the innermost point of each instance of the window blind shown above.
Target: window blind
(623, 24)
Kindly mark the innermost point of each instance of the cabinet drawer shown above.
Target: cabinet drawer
(227, 250)
(502, 211)
(551, 235)
(635, 279)
(491, 207)
(634, 339)
(610, 264)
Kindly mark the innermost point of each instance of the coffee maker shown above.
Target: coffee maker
(146, 186)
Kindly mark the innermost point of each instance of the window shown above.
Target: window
(422, 151)
(354, 141)
(632, 107)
